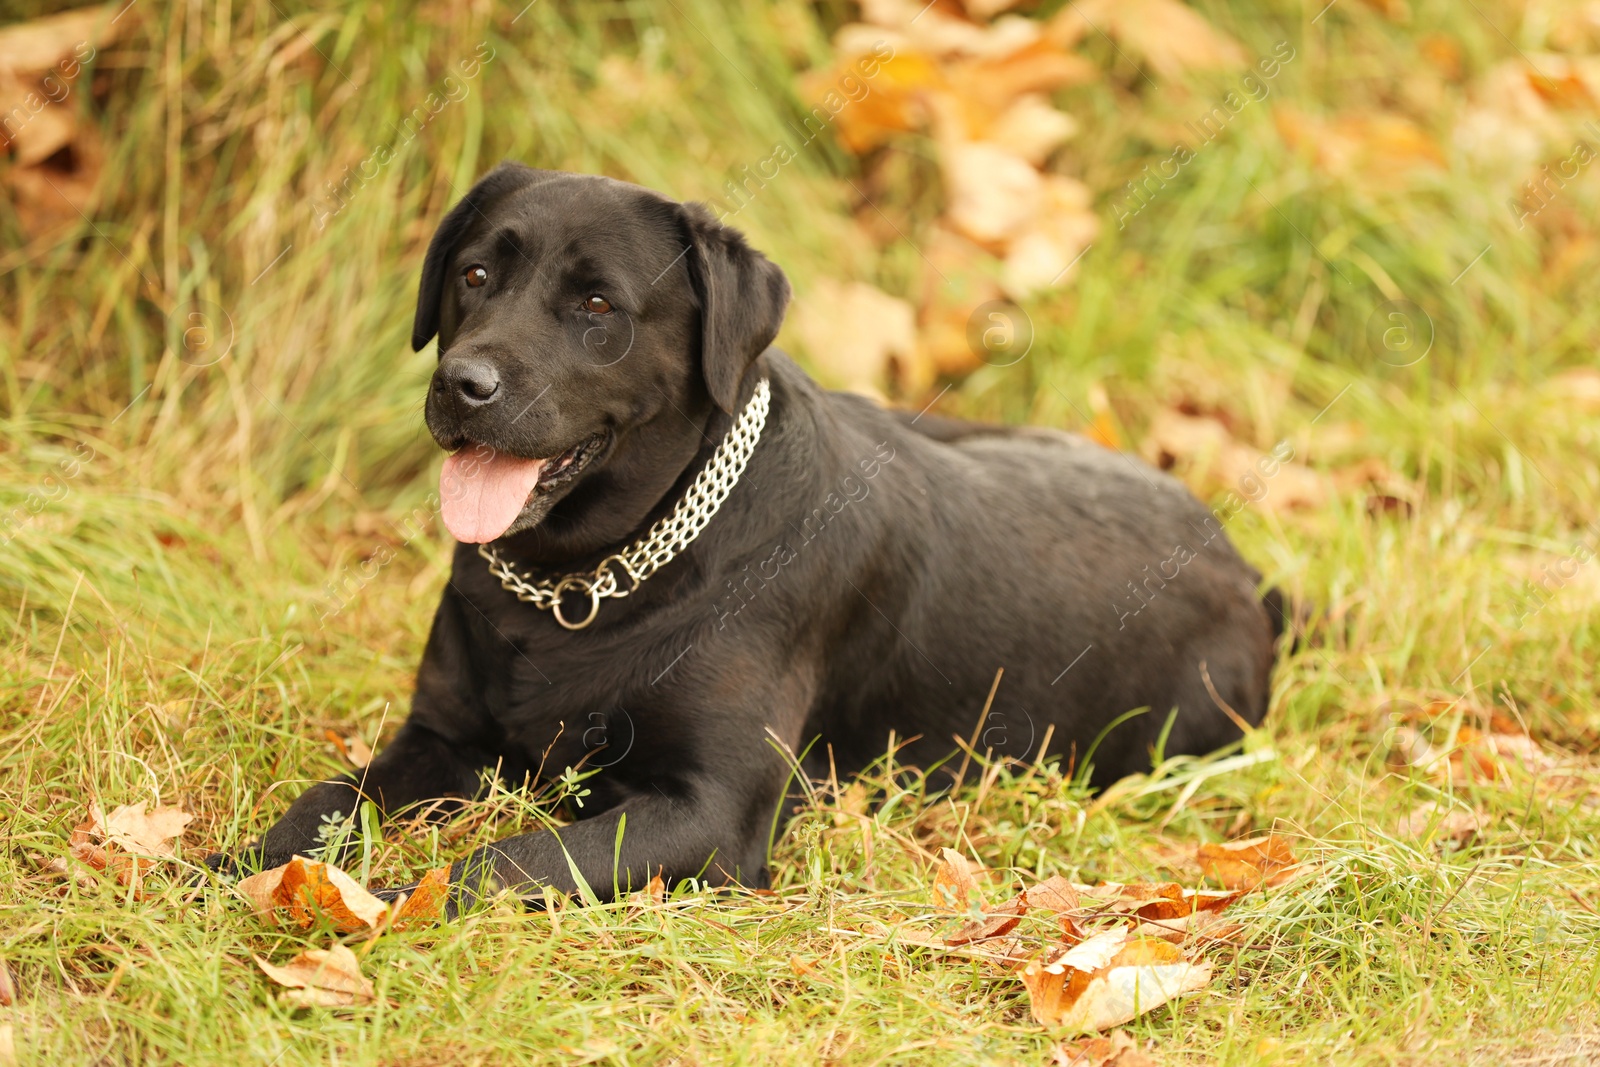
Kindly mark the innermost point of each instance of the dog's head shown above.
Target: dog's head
(588, 329)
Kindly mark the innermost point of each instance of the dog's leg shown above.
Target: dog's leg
(719, 834)
(417, 765)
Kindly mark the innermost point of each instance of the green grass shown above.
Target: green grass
(186, 615)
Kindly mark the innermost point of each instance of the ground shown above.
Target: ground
(218, 553)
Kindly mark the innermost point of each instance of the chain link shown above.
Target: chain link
(661, 544)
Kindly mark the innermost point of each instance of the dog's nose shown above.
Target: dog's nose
(472, 383)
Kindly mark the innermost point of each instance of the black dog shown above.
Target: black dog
(864, 576)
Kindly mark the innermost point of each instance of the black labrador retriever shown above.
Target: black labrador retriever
(684, 563)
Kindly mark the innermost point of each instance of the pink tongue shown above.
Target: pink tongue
(481, 492)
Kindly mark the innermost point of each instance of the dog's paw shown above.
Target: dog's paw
(230, 867)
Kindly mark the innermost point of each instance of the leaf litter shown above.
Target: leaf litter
(1093, 957)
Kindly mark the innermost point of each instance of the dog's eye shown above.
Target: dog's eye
(475, 275)
(597, 304)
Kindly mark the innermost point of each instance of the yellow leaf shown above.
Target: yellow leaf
(1267, 860)
(953, 884)
(301, 890)
(1109, 980)
(321, 978)
(860, 338)
(1169, 36)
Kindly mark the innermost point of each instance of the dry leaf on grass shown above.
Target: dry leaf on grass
(352, 748)
(42, 68)
(860, 337)
(953, 883)
(1475, 755)
(301, 890)
(1437, 823)
(1210, 460)
(1260, 861)
(654, 894)
(1108, 980)
(1171, 36)
(1376, 148)
(321, 978)
(1118, 1050)
(8, 987)
(130, 840)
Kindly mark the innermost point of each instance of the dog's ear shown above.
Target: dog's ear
(742, 299)
(491, 187)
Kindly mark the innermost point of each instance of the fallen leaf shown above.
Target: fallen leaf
(34, 47)
(352, 748)
(1063, 229)
(992, 193)
(996, 922)
(1161, 900)
(1435, 822)
(953, 884)
(130, 840)
(321, 978)
(302, 889)
(1476, 755)
(654, 894)
(1211, 461)
(8, 987)
(425, 903)
(1108, 980)
(1259, 861)
(1170, 36)
(861, 338)
(1118, 1050)
(1031, 129)
(1378, 148)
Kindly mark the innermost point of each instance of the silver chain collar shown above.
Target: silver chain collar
(668, 537)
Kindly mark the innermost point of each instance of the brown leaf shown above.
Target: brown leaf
(1210, 460)
(130, 840)
(953, 884)
(993, 194)
(896, 102)
(1171, 36)
(352, 748)
(1249, 864)
(1118, 1050)
(654, 894)
(1378, 148)
(1437, 823)
(301, 890)
(1054, 895)
(8, 987)
(425, 904)
(321, 978)
(1062, 230)
(34, 47)
(860, 338)
(996, 922)
(1108, 980)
